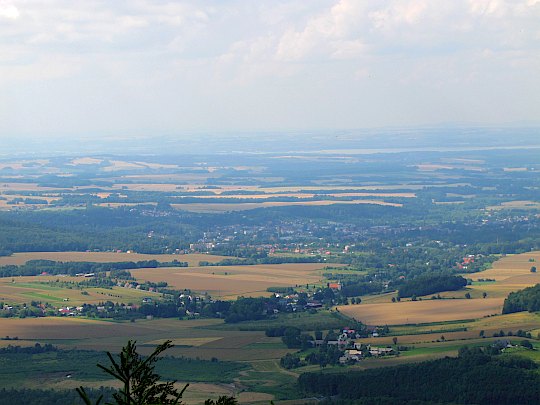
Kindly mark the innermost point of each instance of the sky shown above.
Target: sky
(142, 68)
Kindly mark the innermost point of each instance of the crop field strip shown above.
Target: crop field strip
(193, 341)
(511, 273)
(412, 312)
(232, 281)
(49, 289)
(225, 207)
(192, 259)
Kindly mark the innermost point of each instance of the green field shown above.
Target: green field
(65, 291)
(32, 370)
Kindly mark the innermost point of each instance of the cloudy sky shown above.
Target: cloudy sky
(143, 67)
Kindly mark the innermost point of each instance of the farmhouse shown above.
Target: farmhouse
(317, 342)
(380, 351)
(351, 355)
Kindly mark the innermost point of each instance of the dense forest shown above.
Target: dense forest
(527, 299)
(430, 284)
(475, 377)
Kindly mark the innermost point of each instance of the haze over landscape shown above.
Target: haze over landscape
(287, 202)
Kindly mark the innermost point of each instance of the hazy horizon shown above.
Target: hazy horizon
(344, 142)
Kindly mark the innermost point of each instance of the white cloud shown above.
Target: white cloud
(8, 11)
(331, 56)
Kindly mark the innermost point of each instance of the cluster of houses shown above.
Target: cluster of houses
(353, 351)
(466, 262)
(293, 302)
(70, 311)
(360, 352)
(135, 285)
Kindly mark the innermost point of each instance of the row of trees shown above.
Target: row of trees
(36, 267)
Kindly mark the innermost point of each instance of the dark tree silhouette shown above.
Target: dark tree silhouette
(141, 384)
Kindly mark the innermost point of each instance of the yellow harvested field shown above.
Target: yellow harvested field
(86, 161)
(512, 273)
(232, 281)
(412, 312)
(514, 322)
(121, 165)
(508, 268)
(306, 195)
(24, 187)
(246, 397)
(433, 167)
(173, 182)
(532, 205)
(420, 338)
(515, 169)
(448, 202)
(157, 165)
(224, 207)
(379, 298)
(4, 204)
(297, 189)
(21, 164)
(106, 257)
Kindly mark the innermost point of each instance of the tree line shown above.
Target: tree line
(527, 299)
(37, 267)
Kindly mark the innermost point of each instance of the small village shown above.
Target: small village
(354, 352)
